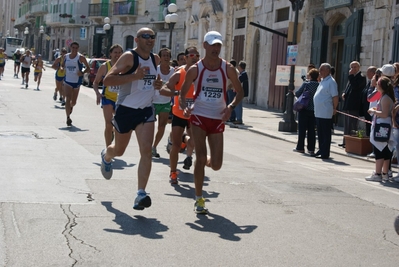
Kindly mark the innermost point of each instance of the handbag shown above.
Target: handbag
(382, 132)
(303, 101)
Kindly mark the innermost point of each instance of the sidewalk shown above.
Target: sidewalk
(262, 121)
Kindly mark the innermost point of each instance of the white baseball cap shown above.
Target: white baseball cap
(388, 70)
(213, 37)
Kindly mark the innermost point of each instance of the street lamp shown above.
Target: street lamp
(106, 28)
(171, 19)
(26, 32)
(41, 31)
(289, 124)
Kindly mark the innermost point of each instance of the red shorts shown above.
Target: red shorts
(210, 126)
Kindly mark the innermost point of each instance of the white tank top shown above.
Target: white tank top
(26, 62)
(139, 93)
(72, 66)
(210, 91)
(158, 98)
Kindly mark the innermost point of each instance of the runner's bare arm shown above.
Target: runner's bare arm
(191, 75)
(99, 76)
(122, 66)
(55, 64)
(168, 89)
(84, 61)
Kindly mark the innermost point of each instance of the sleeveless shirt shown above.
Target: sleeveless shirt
(210, 91)
(72, 66)
(139, 94)
(158, 98)
(176, 109)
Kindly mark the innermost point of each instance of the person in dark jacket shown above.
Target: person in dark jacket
(352, 98)
(306, 118)
(243, 77)
(365, 103)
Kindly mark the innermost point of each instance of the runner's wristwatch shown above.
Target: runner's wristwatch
(232, 106)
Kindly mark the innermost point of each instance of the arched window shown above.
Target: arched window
(129, 42)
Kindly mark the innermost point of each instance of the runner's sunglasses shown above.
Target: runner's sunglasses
(147, 36)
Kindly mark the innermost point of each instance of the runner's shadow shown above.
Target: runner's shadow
(187, 191)
(226, 229)
(72, 129)
(120, 164)
(164, 161)
(139, 225)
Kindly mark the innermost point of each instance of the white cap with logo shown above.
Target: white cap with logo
(213, 37)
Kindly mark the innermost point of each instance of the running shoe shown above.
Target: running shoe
(142, 201)
(60, 98)
(69, 121)
(199, 206)
(26, 85)
(106, 167)
(155, 153)
(173, 178)
(374, 177)
(63, 103)
(55, 96)
(188, 162)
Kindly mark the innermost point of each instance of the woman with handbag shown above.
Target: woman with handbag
(306, 118)
(380, 136)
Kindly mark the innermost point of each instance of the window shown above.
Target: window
(282, 14)
(240, 23)
(129, 42)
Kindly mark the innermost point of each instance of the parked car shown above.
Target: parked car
(94, 63)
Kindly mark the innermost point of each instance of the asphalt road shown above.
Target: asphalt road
(267, 207)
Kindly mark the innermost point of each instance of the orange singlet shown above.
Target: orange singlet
(177, 111)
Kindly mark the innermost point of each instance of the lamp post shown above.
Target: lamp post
(106, 28)
(16, 32)
(171, 19)
(289, 124)
(26, 32)
(41, 31)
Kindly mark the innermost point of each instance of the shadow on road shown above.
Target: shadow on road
(72, 129)
(117, 164)
(187, 191)
(139, 225)
(220, 225)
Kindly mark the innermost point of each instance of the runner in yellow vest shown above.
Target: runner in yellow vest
(3, 58)
(109, 93)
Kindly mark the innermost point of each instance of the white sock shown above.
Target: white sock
(198, 197)
(141, 192)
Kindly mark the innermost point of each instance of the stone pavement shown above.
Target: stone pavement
(265, 122)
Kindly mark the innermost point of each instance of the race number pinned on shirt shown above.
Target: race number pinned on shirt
(212, 94)
(148, 80)
(114, 88)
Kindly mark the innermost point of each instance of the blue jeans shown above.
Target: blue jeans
(238, 111)
(230, 97)
(306, 128)
(395, 133)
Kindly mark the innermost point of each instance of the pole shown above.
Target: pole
(289, 124)
(171, 26)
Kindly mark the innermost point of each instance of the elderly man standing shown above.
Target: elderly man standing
(352, 97)
(325, 104)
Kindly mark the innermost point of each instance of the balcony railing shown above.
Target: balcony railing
(99, 10)
(39, 9)
(125, 8)
(53, 18)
